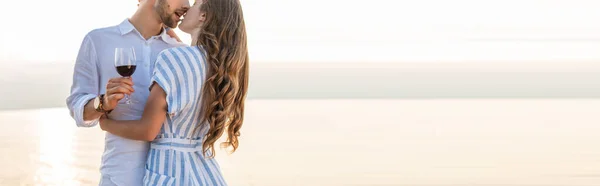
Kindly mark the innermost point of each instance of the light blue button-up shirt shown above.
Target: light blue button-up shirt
(123, 159)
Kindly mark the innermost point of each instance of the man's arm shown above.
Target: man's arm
(115, 91)
(86, 87)
(145, 129)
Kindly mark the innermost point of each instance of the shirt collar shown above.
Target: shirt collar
(125, 27)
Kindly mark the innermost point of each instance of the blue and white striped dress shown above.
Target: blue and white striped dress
(175, 156)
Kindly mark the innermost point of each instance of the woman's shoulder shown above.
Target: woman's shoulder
(181, 53)
(181, 50)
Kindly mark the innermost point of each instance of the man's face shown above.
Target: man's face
(170, 11)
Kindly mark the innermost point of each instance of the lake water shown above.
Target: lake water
(457, 142)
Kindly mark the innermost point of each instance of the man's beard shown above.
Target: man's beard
(163, 13)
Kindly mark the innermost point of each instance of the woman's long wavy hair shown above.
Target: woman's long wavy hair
(223, 37)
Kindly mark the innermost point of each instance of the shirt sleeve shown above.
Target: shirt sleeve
(85, 83)
(167, 74)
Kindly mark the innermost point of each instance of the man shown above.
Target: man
(97, 87)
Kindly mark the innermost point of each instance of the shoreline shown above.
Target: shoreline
(48, 84)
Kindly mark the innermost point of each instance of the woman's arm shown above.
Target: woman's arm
(146, 128)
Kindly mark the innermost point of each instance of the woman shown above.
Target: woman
(197, 94)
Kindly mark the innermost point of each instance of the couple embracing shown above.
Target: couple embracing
(169, 102)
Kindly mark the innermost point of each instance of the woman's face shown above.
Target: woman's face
(193, 19)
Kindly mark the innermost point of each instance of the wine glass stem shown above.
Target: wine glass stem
(127, 96)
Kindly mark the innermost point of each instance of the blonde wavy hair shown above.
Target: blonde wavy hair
(223, 36)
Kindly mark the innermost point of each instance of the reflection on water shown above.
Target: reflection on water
(56, 150)
(349, 142)
(45, 148)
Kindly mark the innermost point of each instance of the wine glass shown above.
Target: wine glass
(125, 64)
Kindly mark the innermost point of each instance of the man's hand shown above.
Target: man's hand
(172, 33)
(116, 88)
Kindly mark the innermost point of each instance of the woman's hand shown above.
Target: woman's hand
(172, 33)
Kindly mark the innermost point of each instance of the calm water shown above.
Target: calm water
(350, 142)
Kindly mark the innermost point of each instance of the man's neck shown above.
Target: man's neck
(146, 22)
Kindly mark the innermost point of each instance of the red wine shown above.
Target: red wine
(126, 70)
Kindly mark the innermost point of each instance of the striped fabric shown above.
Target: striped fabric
(175, 156)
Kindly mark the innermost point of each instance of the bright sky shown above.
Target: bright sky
(339, 30)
